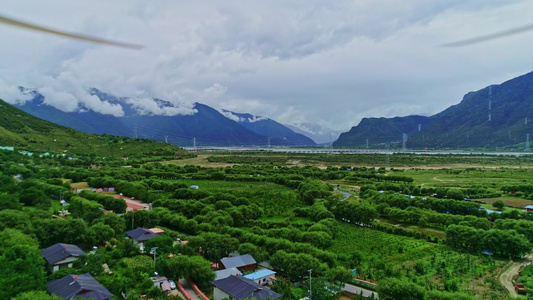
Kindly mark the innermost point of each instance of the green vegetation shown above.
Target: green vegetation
(411, 231)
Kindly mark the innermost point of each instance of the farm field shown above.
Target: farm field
(420, 228)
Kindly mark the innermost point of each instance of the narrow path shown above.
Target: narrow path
(346, 195)
(188, 287)
(506, 278)
(355, 290)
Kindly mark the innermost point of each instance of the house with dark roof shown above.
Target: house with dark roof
(221, 274)
(238, 287)
(60, 256)
(74, 286)
(244, 262)
(141, 235)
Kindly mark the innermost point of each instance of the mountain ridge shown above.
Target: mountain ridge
(492, 117)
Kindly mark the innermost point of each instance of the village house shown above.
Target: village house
(262, 277)
(60, 256)
(221, 274)
(242, 262)
(238, 287)
(162, 283)
(75, 286)
(141, 235)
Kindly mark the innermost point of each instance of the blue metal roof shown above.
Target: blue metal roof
(529, 206)
(260, 274)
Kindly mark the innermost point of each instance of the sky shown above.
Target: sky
(330, 63)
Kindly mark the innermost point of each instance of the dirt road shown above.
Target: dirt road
(506, 278)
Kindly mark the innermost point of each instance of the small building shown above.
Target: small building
(242, 262)
(238, 287)
(76, 286)
(529, 208)
(262, 277)
(141, 235)
(162, 283)
(60, 256)
(221, 274)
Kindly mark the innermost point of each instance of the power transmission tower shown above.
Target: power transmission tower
(194, 143)
(135, 131)
(166, 139)
(404, 140)
(268, 142)
(490, 103)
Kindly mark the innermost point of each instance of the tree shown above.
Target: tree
(395, 289)
(499, 204)
(36, 295)
(116, 222)
(22, 262)
(15, 219)
(163, 243)
(98, 234)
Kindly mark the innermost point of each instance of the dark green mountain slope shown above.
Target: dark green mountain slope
(510, 106)
(381, 131)
(496, 116)
(20, 129)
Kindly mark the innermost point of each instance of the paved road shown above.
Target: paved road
(355, 290)
(506, 278)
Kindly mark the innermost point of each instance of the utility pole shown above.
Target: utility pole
(310, 290)
(154, 249)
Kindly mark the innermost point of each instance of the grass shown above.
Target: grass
(428, 231)
(509, 202)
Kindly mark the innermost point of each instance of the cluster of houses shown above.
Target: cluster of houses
(231, 278)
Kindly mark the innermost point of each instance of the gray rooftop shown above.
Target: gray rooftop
(84, 286)
(238, 261)
(60, 251)
(221, 274)
(140, 234)
(239, 288)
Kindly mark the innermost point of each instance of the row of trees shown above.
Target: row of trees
(501, 242)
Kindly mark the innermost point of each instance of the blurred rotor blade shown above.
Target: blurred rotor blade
(490, 37)
(13, 22)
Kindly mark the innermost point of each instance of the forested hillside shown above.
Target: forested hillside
(22, 130)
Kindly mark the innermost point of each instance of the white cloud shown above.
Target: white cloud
(230, 115)
(148, 106)
(330, 63)
(12, 94)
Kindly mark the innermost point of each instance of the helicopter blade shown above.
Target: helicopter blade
(489, 37)
(21, 24)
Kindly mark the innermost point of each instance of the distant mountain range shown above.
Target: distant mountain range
(498, 116)
(20, 129)
(205, 127)
(321, 135)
